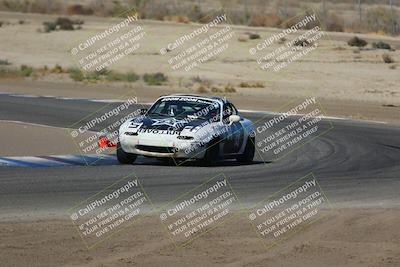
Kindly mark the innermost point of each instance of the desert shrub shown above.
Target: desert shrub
(291, 22)
(25, 70)
(302, 42)
(253, 35)
(380, 19)
(49, 26)
(282, 40)
(127, 77)
(4, 62)
(381, 45)
(387, 58)
(32, 6)
(94, 76)
(62, 23)
(202, 81)
(15, 5)
(57, 69)
(229, 88)
(355, 41)
(78, 9)
(392, 67)
(154, 78)
(215, 89)
(334, 23)
(76, 74)
(21, 22)
(196, 14)
(1, 23)
(251, 84)
(201, 89)
(65, 24)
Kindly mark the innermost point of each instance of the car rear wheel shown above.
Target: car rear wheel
(248, 154)
(124, 157)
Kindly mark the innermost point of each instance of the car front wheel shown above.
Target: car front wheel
(248, 153)
(124, 157)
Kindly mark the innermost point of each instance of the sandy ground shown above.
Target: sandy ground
(346, 237)
(332, 72)
(348, 84)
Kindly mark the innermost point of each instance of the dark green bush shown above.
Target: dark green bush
(355, 41)
(154, 78)
(381, 45)
(26, 71)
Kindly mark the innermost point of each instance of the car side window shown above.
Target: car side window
(228, 110)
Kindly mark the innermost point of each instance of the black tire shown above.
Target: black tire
(248, 153)
(123, 157)
(212, 155)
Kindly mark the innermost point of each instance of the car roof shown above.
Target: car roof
(217, 98)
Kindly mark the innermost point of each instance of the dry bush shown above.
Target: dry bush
(355, 41)
(196, 14)
(201, 89)
(282, 40)
(57, 69)
(381, 45)
(32, 6)
(250, 84)
(293, 21)
(302, 43)
(253, 35)
(215, 89)
(380, 19)
(334, 22)
(229, 88)
(387, 59)
(65, 24)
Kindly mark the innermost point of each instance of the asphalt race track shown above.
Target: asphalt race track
(355, 163)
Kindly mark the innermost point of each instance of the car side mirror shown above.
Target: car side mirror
(143, 111)
(233, 119)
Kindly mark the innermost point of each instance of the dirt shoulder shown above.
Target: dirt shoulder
(347, 237)
(349, 82)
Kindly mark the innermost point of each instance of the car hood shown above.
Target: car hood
(165, 124)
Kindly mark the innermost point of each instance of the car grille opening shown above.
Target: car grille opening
(157, 149)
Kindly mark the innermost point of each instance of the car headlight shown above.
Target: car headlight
(184, 137)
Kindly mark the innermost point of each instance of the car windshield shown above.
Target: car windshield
(184, 107)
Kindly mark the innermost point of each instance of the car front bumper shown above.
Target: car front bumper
(162, 148)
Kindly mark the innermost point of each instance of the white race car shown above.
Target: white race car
(186, 127)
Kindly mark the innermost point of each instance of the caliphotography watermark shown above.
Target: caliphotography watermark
(199, 211)
(280, 134)
(200, 45)
(288, 211)
(104, 123)
(279, 50)
(105, 48)
(110, 211)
